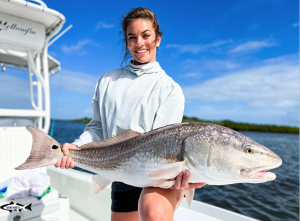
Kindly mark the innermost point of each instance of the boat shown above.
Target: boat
(27, 29)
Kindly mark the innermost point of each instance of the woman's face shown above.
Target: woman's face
(141, 41)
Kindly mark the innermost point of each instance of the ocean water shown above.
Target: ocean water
(273, 201)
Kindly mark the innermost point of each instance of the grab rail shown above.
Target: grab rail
(22, 113)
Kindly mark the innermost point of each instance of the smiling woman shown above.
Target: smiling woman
(142, 37)
(142, 41)
(138, 97)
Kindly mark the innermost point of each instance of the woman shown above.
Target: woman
(140, 97)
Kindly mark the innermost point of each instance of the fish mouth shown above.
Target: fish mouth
(261, 172)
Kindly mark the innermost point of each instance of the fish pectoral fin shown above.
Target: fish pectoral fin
(189, 195)
(100, 183)
(164, 184)
(168, 171)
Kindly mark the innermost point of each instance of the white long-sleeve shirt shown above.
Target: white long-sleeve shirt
(136, 97)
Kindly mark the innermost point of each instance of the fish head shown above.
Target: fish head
(255, 162)
(225, 156)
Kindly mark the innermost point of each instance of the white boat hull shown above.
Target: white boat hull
(78, 187)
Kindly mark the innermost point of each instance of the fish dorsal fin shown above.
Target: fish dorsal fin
(119, 138)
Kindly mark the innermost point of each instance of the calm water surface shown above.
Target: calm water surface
(275, 201)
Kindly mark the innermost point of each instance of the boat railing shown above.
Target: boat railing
(26, 30)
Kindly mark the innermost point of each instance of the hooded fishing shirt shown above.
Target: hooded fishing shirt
(136, 97)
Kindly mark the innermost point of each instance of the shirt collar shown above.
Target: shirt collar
(139, 70)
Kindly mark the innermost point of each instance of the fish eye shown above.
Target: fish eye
(248, 149)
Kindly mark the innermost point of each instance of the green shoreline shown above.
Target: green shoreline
(233, 125)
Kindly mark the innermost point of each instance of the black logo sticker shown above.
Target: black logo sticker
(15, 207)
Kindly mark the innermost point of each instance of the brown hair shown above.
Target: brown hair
(136, 13)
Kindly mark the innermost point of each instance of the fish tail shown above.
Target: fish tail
(45, 150)
(28, 207)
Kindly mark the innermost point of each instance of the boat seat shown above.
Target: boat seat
(53, 195)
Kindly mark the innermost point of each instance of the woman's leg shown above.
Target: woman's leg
(158, 204)
(130, 216)
(124, 202)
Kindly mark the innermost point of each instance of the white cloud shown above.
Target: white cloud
(196, 48)
(79, 82)
(104, 25)
(14, 92)
(269, 91)
(269, 83)
(88, 111)
(285, 59)
(296, 24)
(67, 88)
(192, 75)
(210, 64)
(222, 45)
(245, 113)
(252, 45)
(72, 93)
(78, 47)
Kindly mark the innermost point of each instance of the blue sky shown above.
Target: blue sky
(235, 60)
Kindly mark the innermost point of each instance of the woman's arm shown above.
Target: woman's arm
(93, 130)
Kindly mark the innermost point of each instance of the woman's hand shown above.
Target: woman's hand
(182, 182)
(66, 162)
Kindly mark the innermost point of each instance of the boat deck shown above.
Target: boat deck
(74, 216)
(85, 205)
(180, 214)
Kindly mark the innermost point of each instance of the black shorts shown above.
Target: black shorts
(124, 198)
